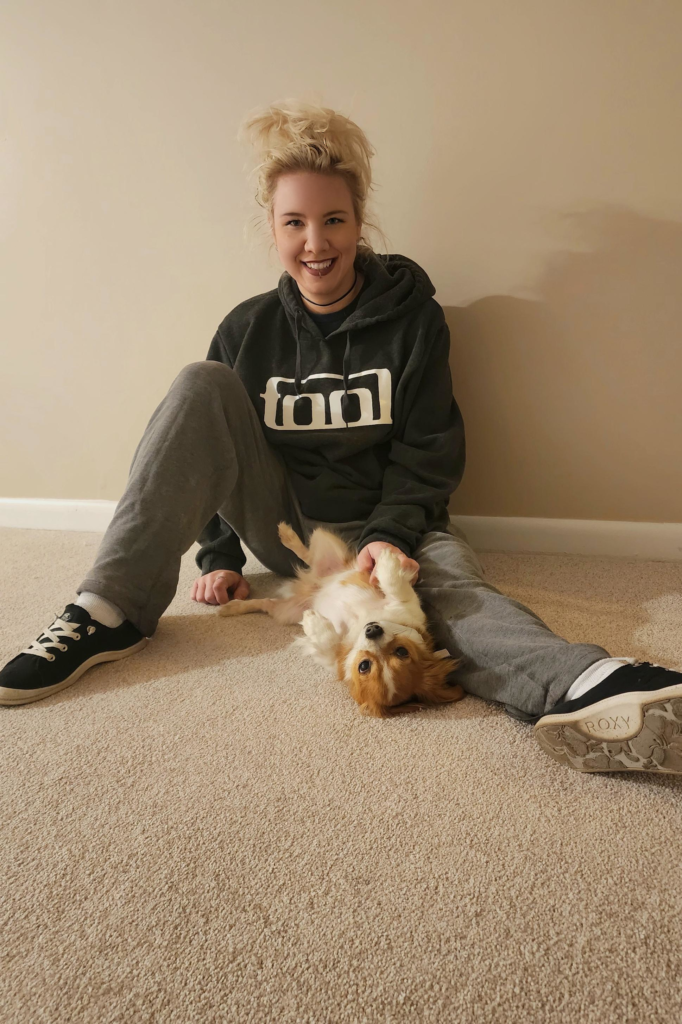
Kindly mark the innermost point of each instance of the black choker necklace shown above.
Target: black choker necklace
(335, 300)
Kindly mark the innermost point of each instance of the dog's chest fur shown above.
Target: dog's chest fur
(346, 604)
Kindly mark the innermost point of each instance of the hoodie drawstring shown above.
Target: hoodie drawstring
(298, 374)
(346, 362)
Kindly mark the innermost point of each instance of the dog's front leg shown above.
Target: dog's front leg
(321, 639)
(396, 585)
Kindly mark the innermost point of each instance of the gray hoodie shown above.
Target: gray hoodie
(364, 418)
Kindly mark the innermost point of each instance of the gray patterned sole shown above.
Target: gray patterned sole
(639, 732)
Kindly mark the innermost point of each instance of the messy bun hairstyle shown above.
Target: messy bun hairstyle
(297, 136)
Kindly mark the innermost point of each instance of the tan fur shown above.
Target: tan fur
(359, 579)
(394, 685)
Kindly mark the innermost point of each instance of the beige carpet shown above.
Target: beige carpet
(209, 831)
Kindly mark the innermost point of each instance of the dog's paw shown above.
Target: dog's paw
(287, 535)
(389, 572)
(308, 621)
(321, 639)
(317, 627)
(322, 654)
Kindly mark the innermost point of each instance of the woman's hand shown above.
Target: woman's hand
(219, 587)
(369, 554)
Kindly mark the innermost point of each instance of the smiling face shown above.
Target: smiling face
(392, 665)
(313, 222)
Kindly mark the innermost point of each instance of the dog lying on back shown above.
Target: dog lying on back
(374, 636)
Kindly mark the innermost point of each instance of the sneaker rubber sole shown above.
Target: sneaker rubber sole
(10, 696)
(639, 731)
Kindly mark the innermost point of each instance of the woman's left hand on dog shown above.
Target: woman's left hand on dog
(369, 554)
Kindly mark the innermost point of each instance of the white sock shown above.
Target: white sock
(100, 609)
(595, 674)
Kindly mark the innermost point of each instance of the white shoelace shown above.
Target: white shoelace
(49, 638)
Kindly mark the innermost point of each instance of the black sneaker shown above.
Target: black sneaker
(73, 644)
(631, 721)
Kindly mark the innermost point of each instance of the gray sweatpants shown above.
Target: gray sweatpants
(204, 451)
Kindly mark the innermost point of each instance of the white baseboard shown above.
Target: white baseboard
(652, 541)
(56, 514)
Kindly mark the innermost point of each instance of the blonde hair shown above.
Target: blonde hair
(293, 135)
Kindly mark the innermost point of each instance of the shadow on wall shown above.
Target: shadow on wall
(572, 404)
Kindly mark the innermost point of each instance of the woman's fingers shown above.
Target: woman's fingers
(411, 566)
(221, 591)
(213, 590)
(202, 590)
(365, 560)
(219, 587)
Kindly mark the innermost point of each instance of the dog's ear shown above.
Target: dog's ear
(433, 686)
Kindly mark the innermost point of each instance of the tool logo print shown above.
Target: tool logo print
(319, 408)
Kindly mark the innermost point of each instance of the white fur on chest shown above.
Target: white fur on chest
(346, 604)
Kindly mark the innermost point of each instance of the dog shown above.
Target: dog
(374, 636)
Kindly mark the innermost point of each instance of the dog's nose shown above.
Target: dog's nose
(373, 631)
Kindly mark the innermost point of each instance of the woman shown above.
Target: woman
(328, 401)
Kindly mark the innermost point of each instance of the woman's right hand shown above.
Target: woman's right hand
(219, 587)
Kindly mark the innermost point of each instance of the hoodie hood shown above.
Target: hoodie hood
(394, 285)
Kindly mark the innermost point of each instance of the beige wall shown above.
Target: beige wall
(529, 157)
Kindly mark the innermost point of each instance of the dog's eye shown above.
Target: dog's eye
(402, 652)
(365, 665)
